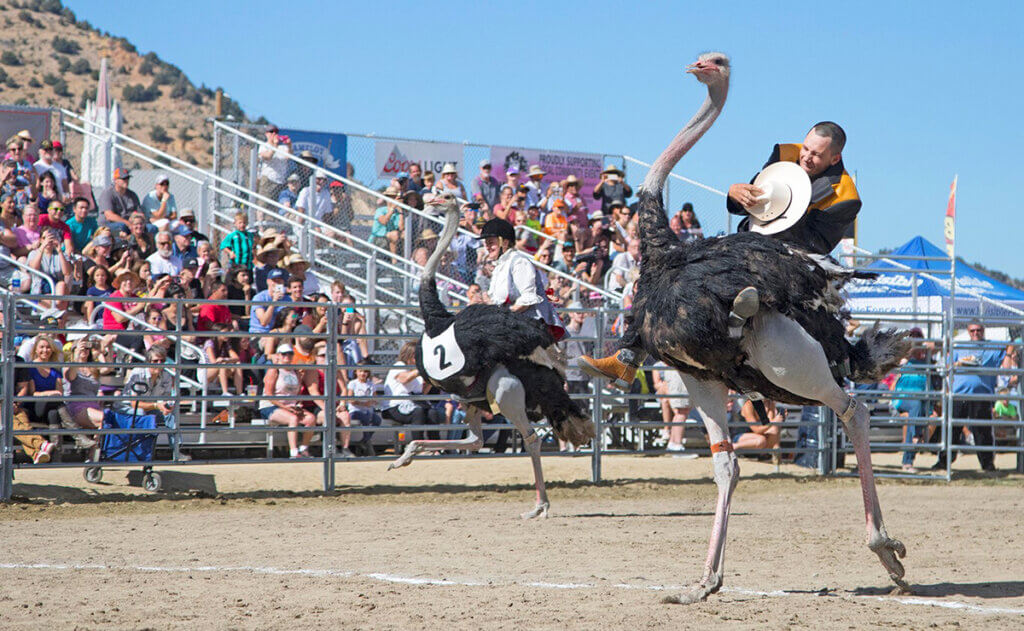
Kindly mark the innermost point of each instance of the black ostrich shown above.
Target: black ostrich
(493, 359)
(793, 350)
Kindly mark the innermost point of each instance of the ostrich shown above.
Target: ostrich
(487, 354)
(790, 349)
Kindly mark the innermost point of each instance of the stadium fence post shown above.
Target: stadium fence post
(7, 409)
(595, 459)
(371, 298)
(825, 441)
(330, 391)
(176, 444)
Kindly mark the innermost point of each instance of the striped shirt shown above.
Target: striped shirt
(241, 243)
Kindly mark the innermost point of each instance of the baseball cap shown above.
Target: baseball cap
(285, 348)
(337, 184)
(183, 230)
(57, 144)
(186, 212)
(277, 274)
(191, 263)
(513, 170)
(163, 177)
(402, 175)
(272, 129)
(122, 174)
(46, 144)
(294, 177)
(103, 240)
(485, 163)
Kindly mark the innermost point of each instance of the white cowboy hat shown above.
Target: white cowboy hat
(787, 192)
(536, 170)
(448, 168)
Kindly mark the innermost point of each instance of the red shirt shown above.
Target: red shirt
(209, 314)
(46, 222)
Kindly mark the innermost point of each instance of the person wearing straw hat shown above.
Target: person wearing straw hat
(388, 222)
(833, 203)
(298, 267)
(26, 142)
(267, 257)
(449, 182)
(612, 188)
(534, 185)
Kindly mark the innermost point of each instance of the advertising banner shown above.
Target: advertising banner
(331, 150)
(558, 165)
(395, 156)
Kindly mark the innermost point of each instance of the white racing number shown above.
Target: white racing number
(442, 357)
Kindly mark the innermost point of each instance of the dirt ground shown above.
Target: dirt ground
(440, 544)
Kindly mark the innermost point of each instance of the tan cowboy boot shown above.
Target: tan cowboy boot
(744, 306)
(619, 368)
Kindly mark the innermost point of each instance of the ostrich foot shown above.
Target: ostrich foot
(696, 593)
(405, 459)
(890, 551)
(540, 510)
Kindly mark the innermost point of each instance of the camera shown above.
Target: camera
(473, 205)
(590, 257)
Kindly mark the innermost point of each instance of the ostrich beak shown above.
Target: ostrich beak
(700, 68)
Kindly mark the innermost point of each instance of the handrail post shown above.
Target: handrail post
(330, 390)
(178, 345)
(595, 458)
(371, 297)
(7, 409)
(306, 245)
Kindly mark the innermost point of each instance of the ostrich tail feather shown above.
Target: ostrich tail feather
(877, 353)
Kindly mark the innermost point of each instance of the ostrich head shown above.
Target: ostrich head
(441, 203)
(710, 68)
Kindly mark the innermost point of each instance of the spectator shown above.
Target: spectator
(159, 206)
(267, 258)
(25, 136)
(388, 223)
(970, 355)
(37, 381)
(415, 183)
(689, 228)
(526, 240)
(298, 267)
(623, 266)
(117, 202)
(512, 177)
(211, 314)
(913, 378)
(49, 260)
(98, 286)
(8, 214)
(240, 288)
(157, 327)
(450, 182)
(556, 224)
(534, 185)
(187, 220)
(84, 381)
(204, 255)
(290, 193)
(99, 251)
(36, 447)
(428, 181)
(164, 260)
(758, 435)
(405, 381)
(574, 202)
(619, 227)
(218, 350)
(58, 158)
(189, 281)
(273, 154)
(318, 204)
(28, 233)
(564, 259)
(341, 214)
(182, 243)
(315, 382)
(262, 318)
(612, 188)
(674, 408)
(362, 409)
(506, 199)
(140, 240)
(49, 192)
(239, 244)
(13, 183)
(485, 185)
(159, 383)
(353, 324)
(593, 267)
(46, 164)
(126, 285)
(279, 381)
(54, 218)
(82, 225)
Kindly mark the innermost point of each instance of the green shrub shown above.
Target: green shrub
(159, 134)
(63, 63)
(81, 66)
(34, 83)
(50, 79)
(9, 58)
(146, 67)
(60, 88)
(66, 46)
(140, 94)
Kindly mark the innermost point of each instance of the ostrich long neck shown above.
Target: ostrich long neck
(657, 241)
(434, 311)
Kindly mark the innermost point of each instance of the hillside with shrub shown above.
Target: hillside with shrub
(51, 58)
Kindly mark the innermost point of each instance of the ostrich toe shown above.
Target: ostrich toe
(695, 593)
(889, 552)
(540, 510)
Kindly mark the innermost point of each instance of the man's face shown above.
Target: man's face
(272, 137)
(46, 155)
(220, 293)
(295, 291)
(414, 171)
(293, 185)
(81, 210)
(161, 188)
(183, 241)
(56, 213)
(30, 216)
(120, 185)
(602, 246)
(816, 154)
(977, 332)
(163, 244)
(485, 171)
(568, 254)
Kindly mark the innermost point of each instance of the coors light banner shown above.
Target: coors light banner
(395, 156)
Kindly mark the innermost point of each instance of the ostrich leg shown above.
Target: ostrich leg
(792, 359)
(510, 396)
(710, 398)
(473, 441)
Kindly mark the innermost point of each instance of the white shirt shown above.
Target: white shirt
(394, 387)
(160, 265)
(363, 390)
(323, 202)
(618, 275)
(276, 168)
(514, 281)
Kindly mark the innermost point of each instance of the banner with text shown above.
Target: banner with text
(331, 150)
(395, 156)
(558, 165)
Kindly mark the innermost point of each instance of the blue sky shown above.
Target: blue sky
(924, 90)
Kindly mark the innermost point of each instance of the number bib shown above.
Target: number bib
(442, 357)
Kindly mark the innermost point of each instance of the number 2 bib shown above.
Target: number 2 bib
(442, 357)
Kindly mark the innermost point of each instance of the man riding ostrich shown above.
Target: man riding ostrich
(495, 359)
(786, 341)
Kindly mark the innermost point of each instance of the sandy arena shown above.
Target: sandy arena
(440, 544)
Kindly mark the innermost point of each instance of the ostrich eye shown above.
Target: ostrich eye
(718, 61)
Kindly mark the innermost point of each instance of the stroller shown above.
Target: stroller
(129, 447)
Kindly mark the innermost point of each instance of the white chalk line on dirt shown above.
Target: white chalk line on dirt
(413, 580)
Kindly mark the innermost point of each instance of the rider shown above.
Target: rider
(830, 216)
(515, 281)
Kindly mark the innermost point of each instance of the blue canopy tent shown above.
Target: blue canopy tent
(898, 290)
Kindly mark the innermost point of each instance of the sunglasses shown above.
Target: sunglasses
(975, 330)
(188, 219)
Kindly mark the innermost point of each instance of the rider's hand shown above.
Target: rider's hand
(745, 194)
